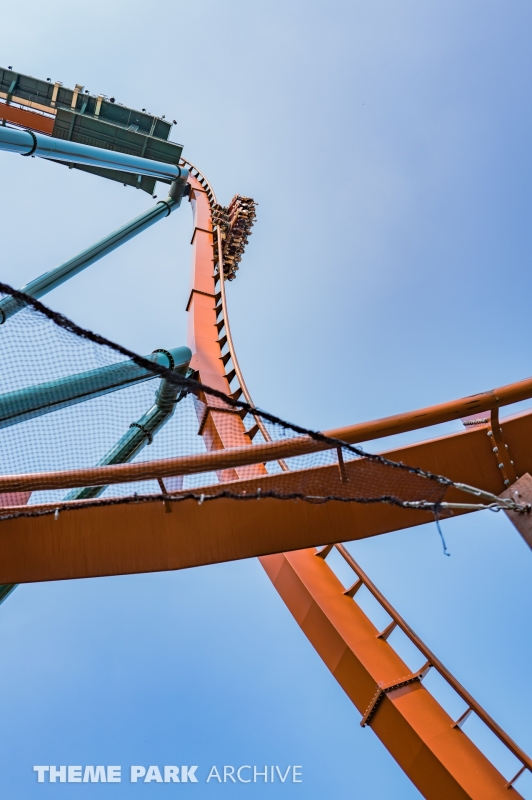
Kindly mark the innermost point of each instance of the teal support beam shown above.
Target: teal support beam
(140, 433)
(44, 398)
(29, 143)
(137, 437)
(5, 590)
(55, 277)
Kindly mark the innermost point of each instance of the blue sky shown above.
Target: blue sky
(388, 148)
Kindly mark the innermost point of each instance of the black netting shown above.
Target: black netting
(71, 400)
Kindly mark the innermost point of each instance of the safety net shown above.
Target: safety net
(84, 420)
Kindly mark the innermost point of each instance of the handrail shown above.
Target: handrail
(162, 468)
(435, 662)
(203, 462)
(434, 415)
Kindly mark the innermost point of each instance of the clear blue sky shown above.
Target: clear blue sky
(388, 147)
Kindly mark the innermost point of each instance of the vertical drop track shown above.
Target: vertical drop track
(426, 742)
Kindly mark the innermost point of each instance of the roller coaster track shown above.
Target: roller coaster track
(429, 745)
(426, 742)
(222, 316)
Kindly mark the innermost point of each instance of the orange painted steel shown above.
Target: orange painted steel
(438, 757)
(110, 540)
(236, 457)
(521, 492)
(267, 451)
(218, 427)
(10, 499)
(101, 540)
(434, 415)
(125, 539)
(434, 753)
(232, 353)
(215, 460)
(26, 119)
(161, 468)
(435, 662)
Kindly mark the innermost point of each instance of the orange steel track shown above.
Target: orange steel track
(440, 760)
(90, 540)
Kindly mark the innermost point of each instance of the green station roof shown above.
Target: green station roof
(95, 120)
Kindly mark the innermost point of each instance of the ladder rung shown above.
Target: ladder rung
(518, 775)
(252, 432)
(324, 552)
(387, 631)
(351, 592)
(460, 721)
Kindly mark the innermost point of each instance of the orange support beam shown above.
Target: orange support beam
(112, 540)
(26, 119)
(436, 755)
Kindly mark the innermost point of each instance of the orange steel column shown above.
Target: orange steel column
(439, 758)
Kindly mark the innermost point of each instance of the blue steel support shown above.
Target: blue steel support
(44, 398)
(55, 277)
(138, 436)
(29, 143)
